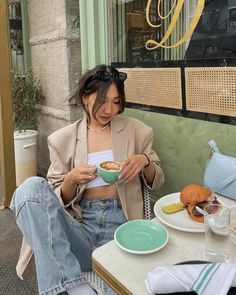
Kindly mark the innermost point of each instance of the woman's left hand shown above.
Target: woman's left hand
(132, 167)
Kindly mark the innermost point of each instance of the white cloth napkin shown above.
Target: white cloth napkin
(204, 279)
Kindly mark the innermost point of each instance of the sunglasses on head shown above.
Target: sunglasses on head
(106, 76)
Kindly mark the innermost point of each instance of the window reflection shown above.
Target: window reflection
(214, 36)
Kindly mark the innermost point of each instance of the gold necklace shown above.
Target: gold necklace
(98, 131)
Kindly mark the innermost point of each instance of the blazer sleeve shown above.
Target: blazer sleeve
(62, 158)
(147, 149)
(57, 170)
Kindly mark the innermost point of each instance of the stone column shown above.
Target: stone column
(56, 58)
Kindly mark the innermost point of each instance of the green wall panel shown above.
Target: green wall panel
(93, 33)
(182, 145)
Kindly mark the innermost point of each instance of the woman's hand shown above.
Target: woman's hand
(81, 175)
(132, 167)
(77, 176)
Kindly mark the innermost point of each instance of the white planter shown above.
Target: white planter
(25, 144)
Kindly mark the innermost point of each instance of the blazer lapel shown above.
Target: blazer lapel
(81, 148)
(120, 143)
(119, 140)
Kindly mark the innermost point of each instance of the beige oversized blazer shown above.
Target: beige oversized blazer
(68, 148)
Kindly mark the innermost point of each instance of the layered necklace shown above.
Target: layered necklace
(96, 130)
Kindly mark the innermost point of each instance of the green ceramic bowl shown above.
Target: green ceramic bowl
(141, 236)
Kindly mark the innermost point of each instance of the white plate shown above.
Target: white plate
(179, 220)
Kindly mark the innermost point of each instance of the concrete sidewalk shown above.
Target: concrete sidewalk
(10, 243)
(1, 193)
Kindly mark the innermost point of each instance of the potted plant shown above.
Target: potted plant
(26, 97)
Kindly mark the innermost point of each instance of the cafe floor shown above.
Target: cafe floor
(10, 242)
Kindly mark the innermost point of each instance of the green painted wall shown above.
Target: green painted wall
(182, 145)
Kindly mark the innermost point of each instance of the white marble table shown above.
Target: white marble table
(126, 272)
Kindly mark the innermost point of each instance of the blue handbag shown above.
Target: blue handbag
(220, 173)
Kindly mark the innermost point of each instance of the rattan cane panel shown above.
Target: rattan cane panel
(211, 90)
(154, 86)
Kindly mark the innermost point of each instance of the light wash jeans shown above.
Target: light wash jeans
(61, 244)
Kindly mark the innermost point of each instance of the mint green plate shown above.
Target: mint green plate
(141, 236)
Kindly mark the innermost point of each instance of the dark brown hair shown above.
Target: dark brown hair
(89, 84)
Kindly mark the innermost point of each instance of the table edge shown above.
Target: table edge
(109, 279)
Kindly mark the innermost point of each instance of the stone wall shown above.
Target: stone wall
(55, 55)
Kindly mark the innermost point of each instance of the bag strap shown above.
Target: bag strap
(224, 183)
(214, 146)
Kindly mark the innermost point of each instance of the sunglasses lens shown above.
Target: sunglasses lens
(105, 76)
(122, 76)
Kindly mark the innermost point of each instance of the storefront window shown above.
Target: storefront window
(133, 23)
(19, 35)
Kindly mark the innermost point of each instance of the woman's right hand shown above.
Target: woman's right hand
(81, 175)
(74, 178)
